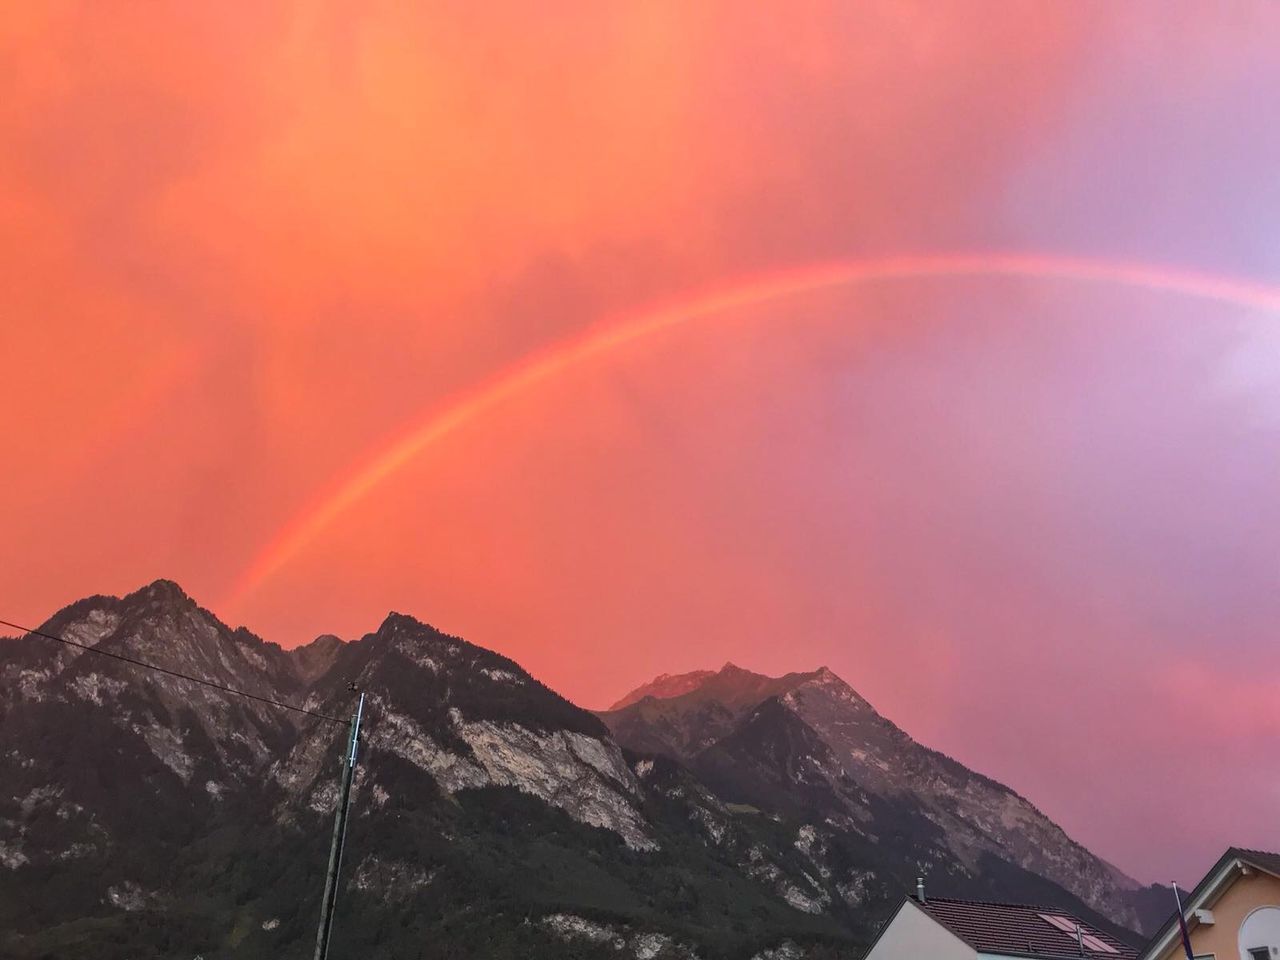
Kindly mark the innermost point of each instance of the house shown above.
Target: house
(1233, 914)
(942, 929)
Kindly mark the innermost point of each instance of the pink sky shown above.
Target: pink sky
(1031, 517)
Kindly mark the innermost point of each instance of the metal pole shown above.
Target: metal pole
(339, 838)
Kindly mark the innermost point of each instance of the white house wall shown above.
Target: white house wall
(914, 935)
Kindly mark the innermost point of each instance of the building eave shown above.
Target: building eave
(1223, 873)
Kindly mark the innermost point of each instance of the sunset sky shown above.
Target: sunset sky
(935, 342)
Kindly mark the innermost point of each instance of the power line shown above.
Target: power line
(173, 673)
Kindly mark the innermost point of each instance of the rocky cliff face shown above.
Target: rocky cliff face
(468, 719)
(807, 743)
(735, 816)
(977, 814)
(81, 725)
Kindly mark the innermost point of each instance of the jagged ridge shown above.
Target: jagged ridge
(483, 798)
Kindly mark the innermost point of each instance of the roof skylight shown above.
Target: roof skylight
(1069, 926)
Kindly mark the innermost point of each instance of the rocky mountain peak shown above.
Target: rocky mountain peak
(161, 624)
(828, 683)
(395, 622)
(809, 740)
(734, 686)
(786, 800)
(429, 647)
(161, 592)
(665, 686)
(313, 659)
(406, 633)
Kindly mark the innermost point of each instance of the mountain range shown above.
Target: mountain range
(716, 814)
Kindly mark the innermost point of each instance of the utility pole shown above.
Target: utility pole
(339, 837)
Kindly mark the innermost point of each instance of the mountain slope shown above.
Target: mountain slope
(469, 719)
(113, 773)
(153, 817)
(809, 740)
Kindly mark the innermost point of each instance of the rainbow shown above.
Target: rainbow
(617, 333)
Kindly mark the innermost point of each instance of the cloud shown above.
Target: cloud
(245, 246)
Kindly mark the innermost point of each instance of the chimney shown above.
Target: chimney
(920, 889)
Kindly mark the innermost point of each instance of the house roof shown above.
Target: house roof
(1020, 930)
(1264, 861)
(1219, 877)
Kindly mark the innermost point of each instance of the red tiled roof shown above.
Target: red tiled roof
(1020, 930)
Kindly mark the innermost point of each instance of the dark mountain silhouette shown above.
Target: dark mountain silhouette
(807, 745)
(148, 816)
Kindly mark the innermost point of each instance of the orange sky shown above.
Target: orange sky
(249, 248)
